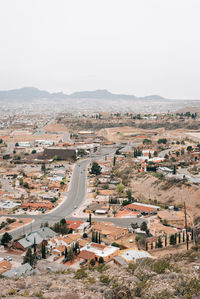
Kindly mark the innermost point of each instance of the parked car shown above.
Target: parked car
(8, 258)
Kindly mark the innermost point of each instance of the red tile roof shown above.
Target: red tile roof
(142, 208)
(74, 224)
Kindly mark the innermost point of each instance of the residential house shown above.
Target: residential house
(142, 208)
(133, 255)
(100, 250)
(78, 225)
(109, 230)
(43, 234)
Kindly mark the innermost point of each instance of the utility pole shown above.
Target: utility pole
(186, 229)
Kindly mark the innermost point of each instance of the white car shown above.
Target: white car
(8, 258)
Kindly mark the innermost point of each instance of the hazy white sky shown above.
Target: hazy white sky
(140, 47)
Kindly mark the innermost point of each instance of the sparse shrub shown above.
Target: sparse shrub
(80, 273)
(12, 292)
(105, 279)
(39, 295)
(160, 266)
(101, 268)
(131, 268)
(26, 294)
(91, 280)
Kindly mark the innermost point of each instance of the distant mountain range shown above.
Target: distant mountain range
(32, 93)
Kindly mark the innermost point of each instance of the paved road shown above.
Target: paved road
(74, 198)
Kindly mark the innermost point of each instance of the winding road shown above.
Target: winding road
(73, 198)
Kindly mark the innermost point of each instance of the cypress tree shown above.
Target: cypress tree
(183, 237)
(179, 238)
(96, 237)
(93, 237)
(175, 238)
(66, 252)
(192, 235)
(90, 219)
(151, 245)
(43, 251)
(34, 245)
(99, 238)
(160, 245)
(165, 240)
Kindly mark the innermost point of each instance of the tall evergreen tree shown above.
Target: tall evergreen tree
(151, 245)
(90, 219)
(114, 161)
(93, 237)
(99, 238)
(34, 245)
(66, 252)
(183, 236)
(165, 240)
(96, 237)
(29, 257)
(43, 251)
(192, 235)
(179, 238)
(160, 245)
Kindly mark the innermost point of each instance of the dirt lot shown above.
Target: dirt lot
(167, 192)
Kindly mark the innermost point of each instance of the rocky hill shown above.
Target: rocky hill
(175, 276)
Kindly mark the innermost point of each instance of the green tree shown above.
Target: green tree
(55, 158)
(96, 237)
(143, 226)
(174, 169)
(29, 257)
(172, 240)
(85, 235)
(63, 221)
(93, 237)
(183, 237)
(179, 238)
(95, 169)
(165, 240)
(43, 251)
(34, 245)
(92, 262)
(189, 149)
(147, 141)
(162, 140)
(160, 244)
(66, 252)
(120, 188)
(6, 238)
(90, 219)
(43, 167)
(101, 260)
(99, 241)
(70, 255)
(129, 194)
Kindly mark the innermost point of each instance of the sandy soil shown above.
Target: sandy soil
(54, 127)
(147, 186)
